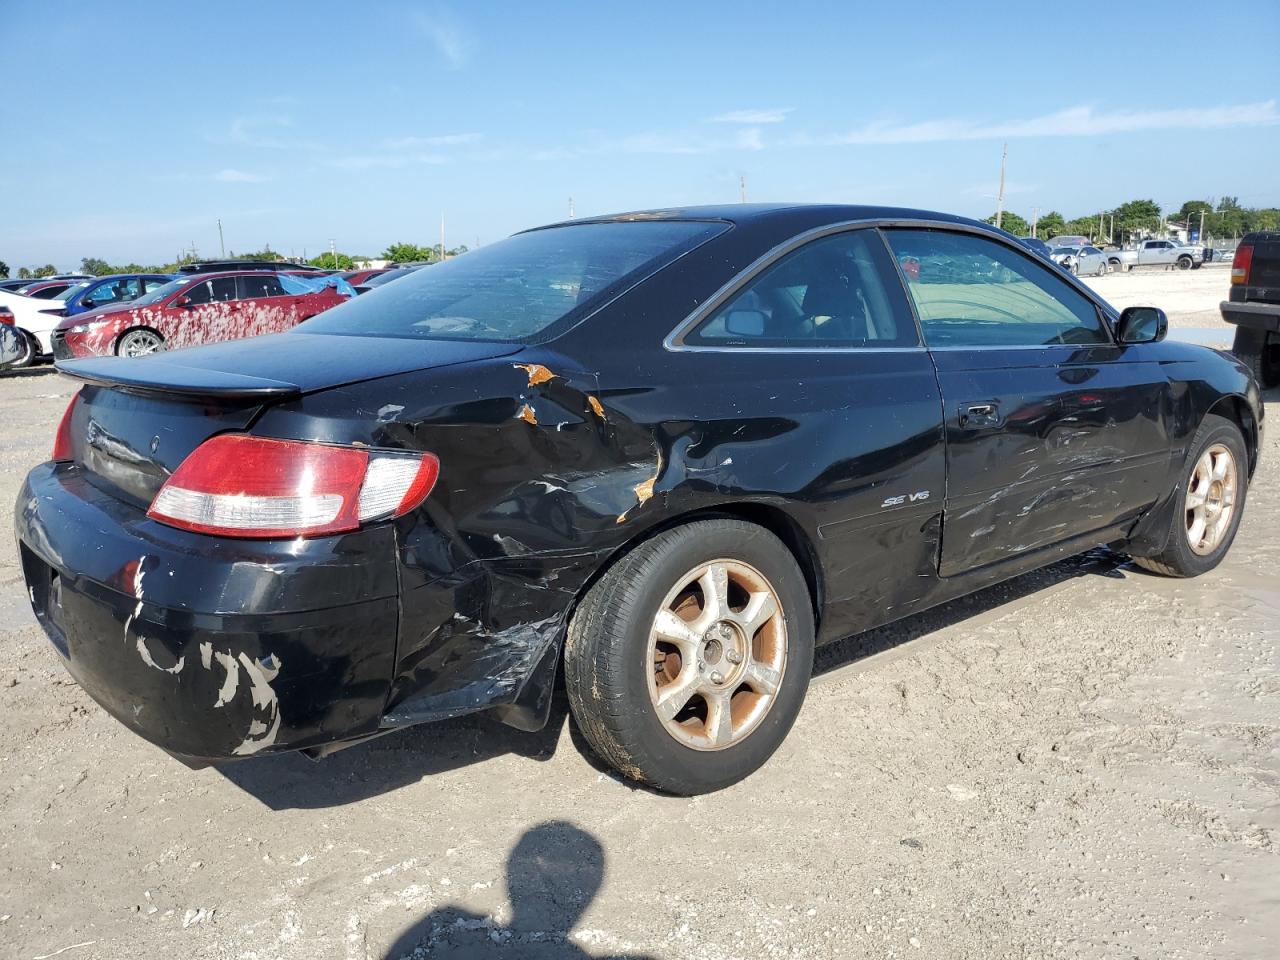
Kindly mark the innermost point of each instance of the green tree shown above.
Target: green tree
(99, 268)
(266, 253)
(408, 253)
(1136, 216)
(1082, 226)
(24, 273)
(329, 262)
(1012, 222)
(48, 270)
(1050, 225)
(4, 270)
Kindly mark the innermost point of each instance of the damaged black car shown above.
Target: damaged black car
(658, 455)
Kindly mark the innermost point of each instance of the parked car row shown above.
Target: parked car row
(77, 315)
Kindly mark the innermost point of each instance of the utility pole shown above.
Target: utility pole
(222, 249)
(1004, 153)
(1201, 240)
(1111, 234)
(1035, 218)
(742, 188)
(333, 253)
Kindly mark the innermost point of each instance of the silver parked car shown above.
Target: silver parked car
(1082, 261)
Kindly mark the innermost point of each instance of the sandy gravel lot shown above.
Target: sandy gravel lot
(1083, 762)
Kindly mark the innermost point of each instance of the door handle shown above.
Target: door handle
(976, 415)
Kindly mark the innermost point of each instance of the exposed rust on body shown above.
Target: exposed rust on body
(537, 373)
(527, 415)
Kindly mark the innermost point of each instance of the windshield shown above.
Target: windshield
(517, 288)
(72, 290)
(1060, 251)
(162, 292)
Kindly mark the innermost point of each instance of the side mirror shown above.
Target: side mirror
(1142, 325)
(182, 302)
(745, 323)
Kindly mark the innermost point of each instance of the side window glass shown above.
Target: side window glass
(223, 289)
(150, 284)
(973, 292)
(258, 286)
(839, 291)
(199, 293)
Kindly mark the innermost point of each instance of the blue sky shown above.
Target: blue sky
(129, 128)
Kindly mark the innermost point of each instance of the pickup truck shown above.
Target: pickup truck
(1157, 253)
(1253, 305)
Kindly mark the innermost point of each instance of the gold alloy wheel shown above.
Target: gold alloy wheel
(718, 650)
(1211, 499)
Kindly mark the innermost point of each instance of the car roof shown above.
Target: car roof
(746, 213)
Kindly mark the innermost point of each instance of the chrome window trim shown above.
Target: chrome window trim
(674, 341)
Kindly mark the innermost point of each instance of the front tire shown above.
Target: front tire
(687, 662)
(1184, 263)
(1209, 503)
(139, 342)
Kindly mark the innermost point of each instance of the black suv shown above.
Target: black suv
(1254, 305)
(217, 266)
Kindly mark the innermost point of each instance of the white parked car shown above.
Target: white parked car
(1083, 261)
(36, 317)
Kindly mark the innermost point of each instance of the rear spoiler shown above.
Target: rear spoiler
(174, 380)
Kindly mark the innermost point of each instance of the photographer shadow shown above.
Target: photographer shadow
(553, 874)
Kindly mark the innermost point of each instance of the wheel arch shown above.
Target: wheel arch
(1235, 408)
(771, 517)
(115, 346)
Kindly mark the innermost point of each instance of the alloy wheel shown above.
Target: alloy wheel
(718, 649)
(1211, 499)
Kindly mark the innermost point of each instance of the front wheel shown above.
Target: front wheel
(1102, 269)
(139, 343)
(1211, 501)
(1184, 263)
(687, 662)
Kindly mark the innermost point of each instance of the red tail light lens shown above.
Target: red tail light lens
(6, 316)
(1241, 263)
(235, 485)
(62, 439)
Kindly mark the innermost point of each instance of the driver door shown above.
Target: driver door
(1053, 430)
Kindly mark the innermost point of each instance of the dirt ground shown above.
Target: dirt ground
(1083, 762)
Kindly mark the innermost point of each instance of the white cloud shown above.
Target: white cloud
(239, 176)
(1082, 121)
(388, 160)
(441, 27)
(446, 140)
(774, 115)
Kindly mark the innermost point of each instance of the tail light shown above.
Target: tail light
(62, 439)
(1241, 263)
(235, 485)
(6, 316)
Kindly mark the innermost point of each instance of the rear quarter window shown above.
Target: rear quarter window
(532, 285)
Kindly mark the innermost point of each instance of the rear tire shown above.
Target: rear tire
(676, 689)
(28, 359)
(1209, 503)
(1259, 350)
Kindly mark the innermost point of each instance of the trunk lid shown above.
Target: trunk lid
(138, 419)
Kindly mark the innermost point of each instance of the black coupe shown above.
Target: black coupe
(662, 454)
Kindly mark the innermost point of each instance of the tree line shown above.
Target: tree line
(96, 266)
(1223, 220)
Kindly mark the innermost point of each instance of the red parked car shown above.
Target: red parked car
(201, 309)
(357, 277)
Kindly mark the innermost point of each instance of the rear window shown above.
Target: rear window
(517, 288)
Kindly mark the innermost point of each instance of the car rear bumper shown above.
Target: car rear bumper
(215, 649)
(1261, 316)
(210, 649)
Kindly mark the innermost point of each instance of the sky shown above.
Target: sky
(128, 129)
